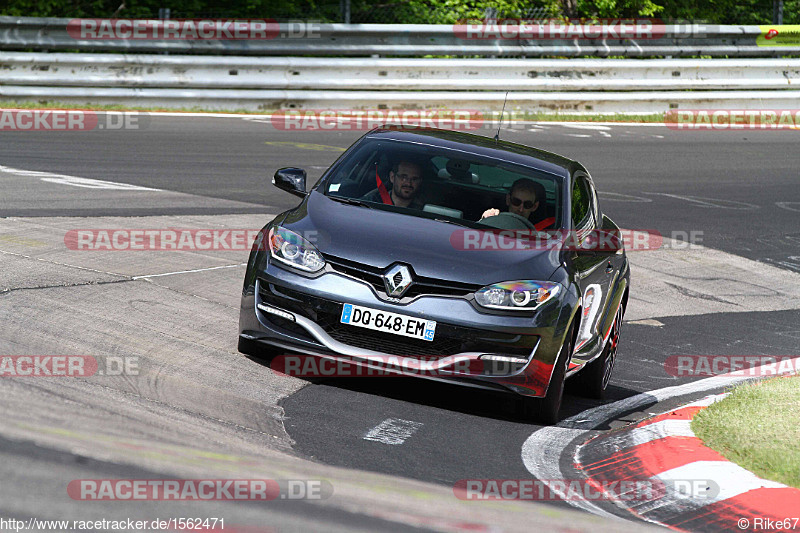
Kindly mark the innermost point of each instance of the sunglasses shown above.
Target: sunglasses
(406, 177)
(516, 203)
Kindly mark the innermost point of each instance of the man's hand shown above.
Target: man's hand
(490, 213)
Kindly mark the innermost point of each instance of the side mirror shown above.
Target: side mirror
(291, 180)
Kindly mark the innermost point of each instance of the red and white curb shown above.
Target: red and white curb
(700, 489)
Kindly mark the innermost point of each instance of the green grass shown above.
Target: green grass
(517, 115)
(118, 107)
(757, 427)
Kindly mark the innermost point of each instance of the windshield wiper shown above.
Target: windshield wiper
(351, 201)
(453, 222)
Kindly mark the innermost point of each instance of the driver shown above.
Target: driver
(405, 180)
(523, 200)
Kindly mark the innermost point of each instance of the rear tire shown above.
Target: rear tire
(545, 410)
(593, 380)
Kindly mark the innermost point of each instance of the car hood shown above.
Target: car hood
(433, 249)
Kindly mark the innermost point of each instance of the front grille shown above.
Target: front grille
(358, 271)
(420, 286)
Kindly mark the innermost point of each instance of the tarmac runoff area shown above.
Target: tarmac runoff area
(196, 408)
(176, 313)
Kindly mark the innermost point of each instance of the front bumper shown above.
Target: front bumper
(462, 350)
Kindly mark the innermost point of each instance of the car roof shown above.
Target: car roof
(477, 144)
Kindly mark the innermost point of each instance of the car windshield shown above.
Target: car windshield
(444, 184)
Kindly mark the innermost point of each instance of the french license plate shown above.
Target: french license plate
(394, 323)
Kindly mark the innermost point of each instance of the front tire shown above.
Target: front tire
(595, 377)
(545, 410)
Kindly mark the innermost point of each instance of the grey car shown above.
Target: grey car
(497, 302)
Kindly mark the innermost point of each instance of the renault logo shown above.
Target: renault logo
(397, 280)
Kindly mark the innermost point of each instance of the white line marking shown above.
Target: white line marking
(541, 455)
(579, 135)
(543, 124)
(619, 197)
(542, 451)
(588, 127)
(393, 431)
(188, 271)
(268, 117)
(74, 181)
(620, 123)
(715, 203)
(646, 322)
(785, 205)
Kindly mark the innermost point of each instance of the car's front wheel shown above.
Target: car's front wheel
(545, 410)
(595, 377)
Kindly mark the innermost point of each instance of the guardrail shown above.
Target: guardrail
(678, 40)
(352, 74)
(541, 85)
(275, 81)
(636, 102)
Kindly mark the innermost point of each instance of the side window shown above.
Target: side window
(581, 202)
(595, 207)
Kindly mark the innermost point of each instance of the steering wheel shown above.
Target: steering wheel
(508, 221)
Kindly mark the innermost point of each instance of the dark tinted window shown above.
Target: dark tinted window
(455, 184)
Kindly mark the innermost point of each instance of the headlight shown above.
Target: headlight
(516, 295)
(290, 248)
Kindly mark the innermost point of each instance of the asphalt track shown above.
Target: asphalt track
(737, 187)
(735, 295)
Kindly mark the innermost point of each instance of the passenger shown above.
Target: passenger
(405, 180)
(524, 200)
